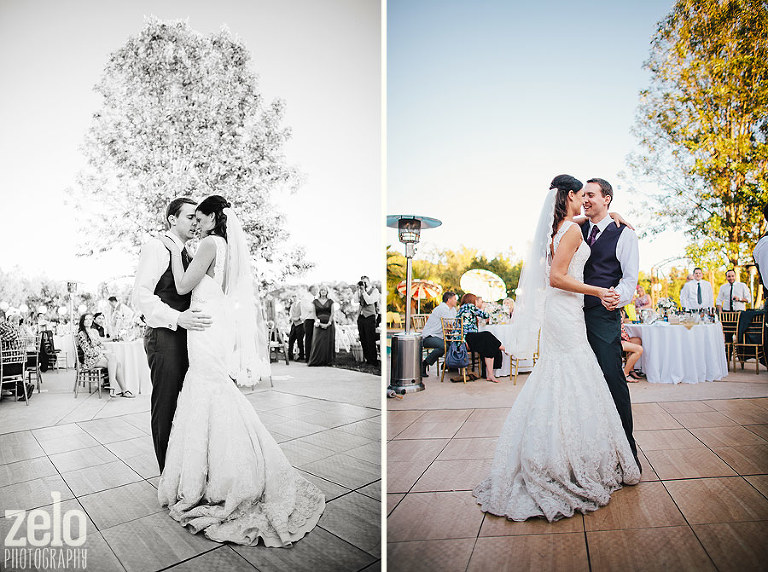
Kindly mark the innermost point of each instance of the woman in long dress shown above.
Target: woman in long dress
(324, 337)
(562, 448)
(224, 474)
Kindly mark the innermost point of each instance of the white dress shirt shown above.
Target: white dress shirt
(628, 256)
(761, 258)
(153, 263)
(434, 327)
(307, 308)
(740, 290)
(689, 295)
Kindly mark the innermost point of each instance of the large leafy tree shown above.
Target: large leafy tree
(181, 115)
(702, 126)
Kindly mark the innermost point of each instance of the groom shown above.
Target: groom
(168, 317)
(613, 264)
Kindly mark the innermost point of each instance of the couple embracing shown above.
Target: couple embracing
(222, 472)
(567, 443)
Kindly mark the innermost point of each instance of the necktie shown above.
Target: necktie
(593, 235)
(185, 258)
(698, 292)
(730, 298)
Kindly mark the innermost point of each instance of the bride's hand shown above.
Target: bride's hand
(619, 220)
(169, 244)
(609, 297)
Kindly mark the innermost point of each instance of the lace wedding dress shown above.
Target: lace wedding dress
(562, 447)
(224, 473)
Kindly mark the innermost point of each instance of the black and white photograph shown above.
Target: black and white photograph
(190, 285)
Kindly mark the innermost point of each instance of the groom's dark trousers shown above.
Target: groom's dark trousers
(168, 363)
(604, 335)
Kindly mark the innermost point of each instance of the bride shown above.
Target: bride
(224, 473)
(562, 448)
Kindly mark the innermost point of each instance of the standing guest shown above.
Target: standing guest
(484, 343)
(643, 300)
(11, 339)
(307, 305)
(432, 334)
(119, 316)
(297, 328)
(697, 294)
(99, 324)
(94, 354)
(324, 338)
(760, 255)
(366, 321)
(733, 296)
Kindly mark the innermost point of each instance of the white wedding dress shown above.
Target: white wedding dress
(562, 448)
(224, 473)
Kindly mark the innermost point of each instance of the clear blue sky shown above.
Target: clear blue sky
(488, 101)
(322, 58)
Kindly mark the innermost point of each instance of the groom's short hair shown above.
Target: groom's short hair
(174, 207)
(605, 187)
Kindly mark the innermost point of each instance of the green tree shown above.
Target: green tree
(181, 115)
(702, 126)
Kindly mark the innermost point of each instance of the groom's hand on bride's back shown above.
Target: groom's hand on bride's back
(194, 320)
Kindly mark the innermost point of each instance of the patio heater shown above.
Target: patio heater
(405, 375)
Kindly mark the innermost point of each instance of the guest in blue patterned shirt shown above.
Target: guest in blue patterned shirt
(484, 343)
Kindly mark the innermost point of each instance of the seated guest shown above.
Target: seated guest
(99, 323)
(697, 294)
(635, 348)
(484, 343)
(94, 354)
(733, 296)
(432, 334)
(11, 338)
(643, 300)
(509, 306)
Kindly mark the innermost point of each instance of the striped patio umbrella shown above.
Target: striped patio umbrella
(421, 290)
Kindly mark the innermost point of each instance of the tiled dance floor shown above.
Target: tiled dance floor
(702, 503)
(97, 453)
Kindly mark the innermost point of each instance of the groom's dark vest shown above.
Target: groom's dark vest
(603, 268)
(166, 290)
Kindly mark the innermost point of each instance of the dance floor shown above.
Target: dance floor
(702, 503)
(98, 454)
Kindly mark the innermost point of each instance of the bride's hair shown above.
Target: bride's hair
(216, 204)
(564, 184)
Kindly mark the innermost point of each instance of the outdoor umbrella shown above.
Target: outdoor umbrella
(483, 283)
(421, 290)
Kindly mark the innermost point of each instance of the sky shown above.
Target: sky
(322, 58)
(488, 101)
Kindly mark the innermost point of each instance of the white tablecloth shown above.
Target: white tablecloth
(503, 333)
(673, 354)
(66, 343)
(132, 364)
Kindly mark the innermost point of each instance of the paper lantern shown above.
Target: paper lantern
(42, 310)
(62, 310)
(82, 308)
(4, 306)
(23, 308)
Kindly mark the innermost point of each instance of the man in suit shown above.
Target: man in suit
(168, 317)
(297, 329)
(697, 293)
(614, 264)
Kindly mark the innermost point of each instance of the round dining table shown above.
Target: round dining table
(503, 333)
(674, 354)
(132, 364)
